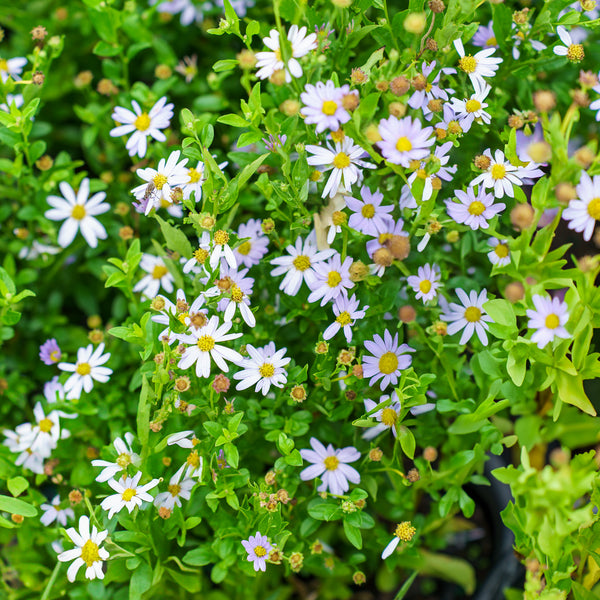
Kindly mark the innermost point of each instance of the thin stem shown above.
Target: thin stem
(51, 581)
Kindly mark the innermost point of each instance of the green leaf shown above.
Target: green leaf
(353, 534)
(175, 238)
(143, 412)
(322, 510)
(17, 507)
(570, 390)
(449, 568)
(141, 581)
(106, 49)
(17, 485)
(233, 120)
(199, 557)
(227, 64)
(407, 441)
(232, 456)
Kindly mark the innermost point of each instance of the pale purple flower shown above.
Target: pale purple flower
(368, 214)
(331, 466)
(404, 140)
(549, 320)
(258, 548)
(50, 353)
(346, 311)
(421, 98)
(332, 278)
(469, 316)
(323, 105)
(251, 251)
(474, 210)
(485, 37)
(387, 360)
(426, 282)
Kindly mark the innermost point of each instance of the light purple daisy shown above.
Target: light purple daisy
(431, 90)
(549, 320)
(426, 282)
(258, 548)
(485, 37)
(584, 212)
(473, 210)
(368, 214)
(469, 316)
(324, 106)
(387, 361)
(404, 140)
(50, 353)
(251, 251)
(332, 278)
(331, 466)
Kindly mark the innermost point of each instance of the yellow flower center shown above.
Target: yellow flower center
(301, 262)
(501, 250)
(405, 531)
(193, 175)
(552, 321)
(388, 363)
(142, 122)
(260, 551)
(193, 459)
(341, 160)
(236, 293)
(491, 41)
(277, 52)
(540, 151)
(468, 64)
(472, 314)
(422, 174)
(159, 272)
(3, 64)
(55, 356)
(205, 343)
(344, 318)
(174, 489)
(46, 425)
(201, 255)
(383, 237)
(472, 105)
(83, 369)
(123, 460)
(389, 417)
(476, 208)
(89, 553)
(333, 279)
(498, 171)
(593, 209)
(329, 107)
(403, 144)
(244, 249)
(221, 237)
(159, 181)
(367, 211)
(575, 53)
(78, 212)
(128, 494)
(425, 286)
(266, 370)
(331, 463)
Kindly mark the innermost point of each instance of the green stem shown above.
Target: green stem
(51, 581)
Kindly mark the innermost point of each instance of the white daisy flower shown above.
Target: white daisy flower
(500, 175)
(368, 215)
(170, 173)
(332, 278)
(472, 109)
(344, 162)
(264, 367)
(251, 250)
(142, 124)
(426, 282)
(473, 210)
(13, 67)
(331, 466)
(47, 430)
(86, 370)
(183, 439)
(195, 178)
(549, 320)
(387, 361)
(158, 276)
(270, 62)
(194, 462)
(431, 181)
(129, 494)
(53, 512)
(346, 311)
(19, 441)
(205, 344)
(404, 140)
(78, 212)
(477, 66)
(595, 105)
(125, 457)
(500, 255)
(404, 532)
(88, 551)
(221, 248)
(298, 265)
(573, 52)
(387, 415)
(583, 212)
(176, 490)
(469, 316)
(324, 105)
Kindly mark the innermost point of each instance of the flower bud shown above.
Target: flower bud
(521, 216)
(514, 291)
(430, 454)
(544, 100)
(407, 314)
(399, 85)
(359, 578)
(415, 22)
(289, 107)
(375, 454)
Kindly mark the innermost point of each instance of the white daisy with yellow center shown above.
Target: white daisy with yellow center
(500, 254)
(469, 316)
(331, 466)
(78, 211)
(479, 65)
(142, 124)
(473, 209)
(346, 311)
(157, 276)
(86, 370)
(584, 212)
(87, 552)
(177, 490)
(426, 282)
(501, 175)
(472, 109)
(573, 52)
(548, 319)
(264, 367)
(125, 456)
(129, 494)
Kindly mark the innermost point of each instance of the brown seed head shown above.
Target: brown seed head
(544, 100)
(514, 291)
(430, 454)
(399, 85)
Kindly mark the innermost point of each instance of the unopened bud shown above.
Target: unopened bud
(396, 109)
(430, 454)
(565, 192)
(290, 108)
(407, 314)
(415, 22)
(399, 85)
(544, 100)
(358, 77)
(483, 162)
(514, 291)
(359, 578)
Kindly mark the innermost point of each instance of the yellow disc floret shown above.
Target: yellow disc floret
(388, 363)
(472, 314)
(142, 123)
